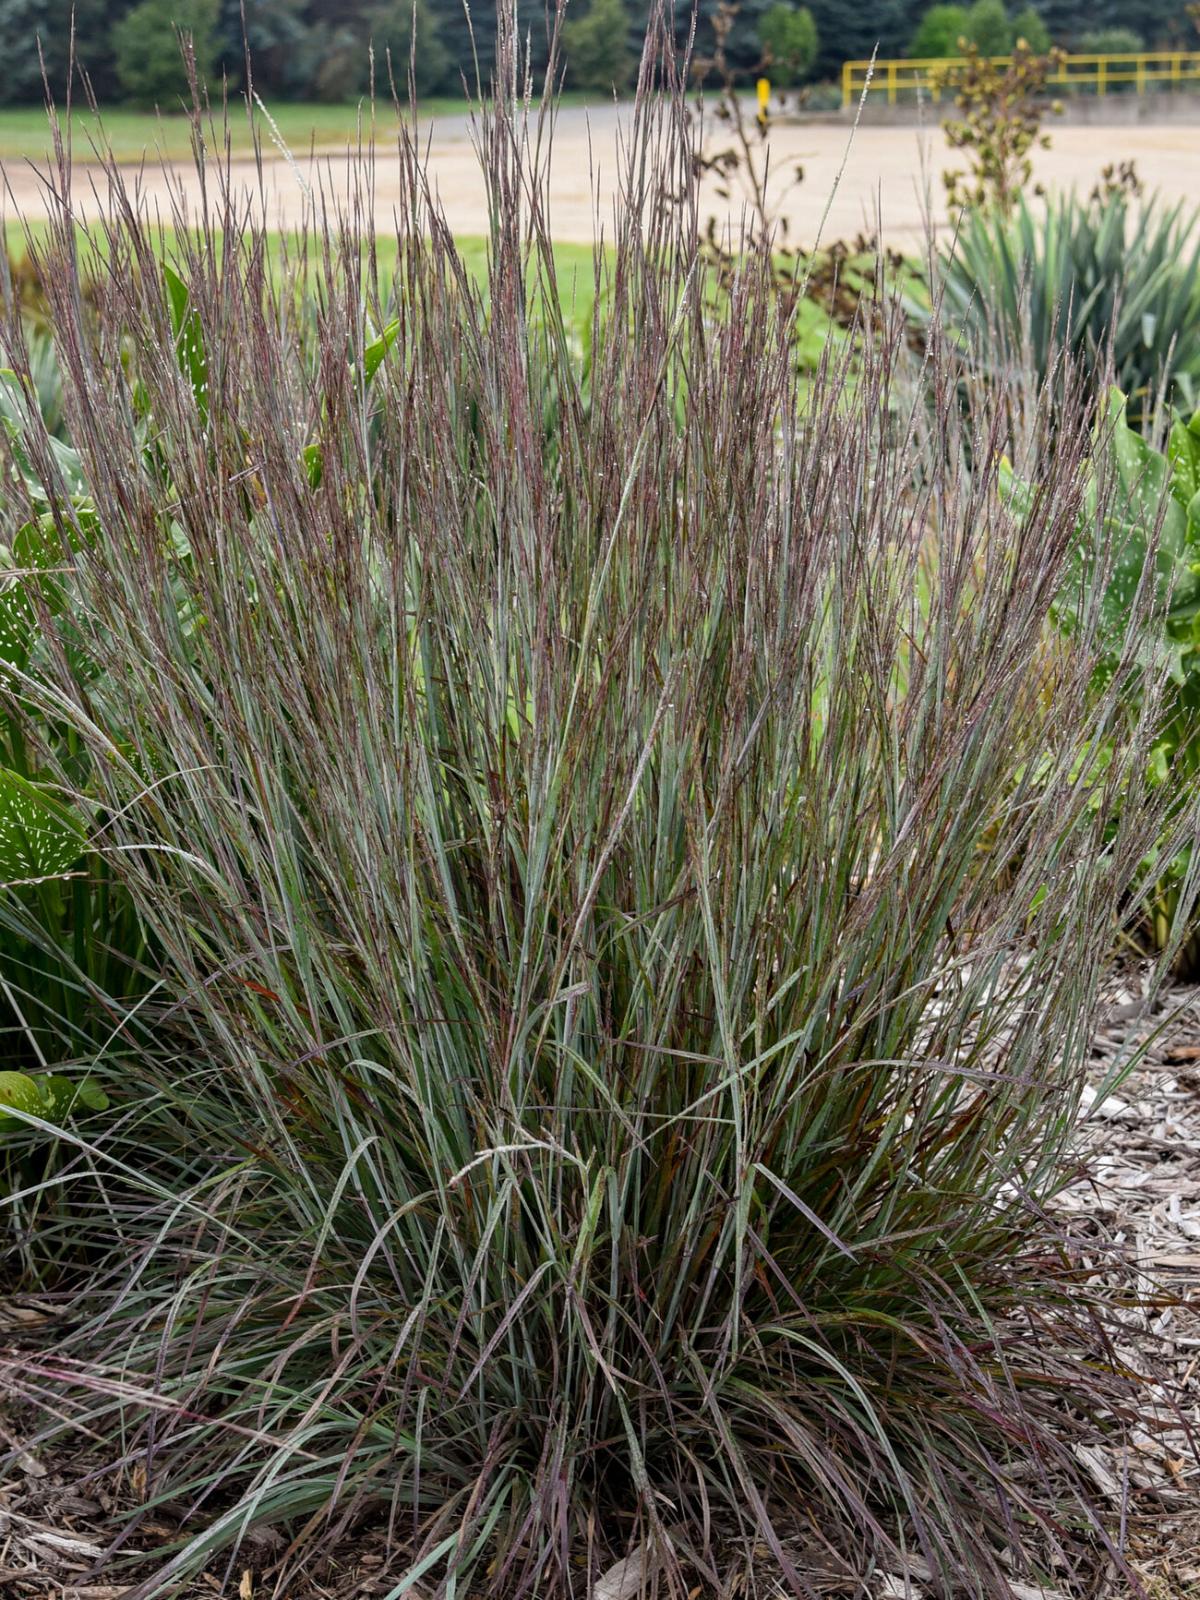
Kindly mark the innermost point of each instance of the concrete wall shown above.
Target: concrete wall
(1087, 110)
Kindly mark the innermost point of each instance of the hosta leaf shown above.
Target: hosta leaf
(63, 1096)
(39, 836)
(20, 1091)
(52, 1097)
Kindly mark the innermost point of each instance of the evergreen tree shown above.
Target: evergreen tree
(390, 33)
(851, 33)
(598, 54)
(277, 34)
(26, 24)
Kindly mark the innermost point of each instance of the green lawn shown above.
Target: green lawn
(132, 135)
(572, 262)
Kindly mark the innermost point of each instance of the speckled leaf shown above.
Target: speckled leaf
(64, 1096)
(39, 836)
(17, 621)
(1183, 451)
(20, 1091)
(52, 1097)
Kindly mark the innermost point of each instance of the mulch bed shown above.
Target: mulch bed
(1137, 1209)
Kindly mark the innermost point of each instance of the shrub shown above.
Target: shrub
(1028, 25)
(628, 882)
(988, 28)
(597, 47)
(789, 40)
(150, 67)
(1111, 42)
(941, 29)
(1114, 286)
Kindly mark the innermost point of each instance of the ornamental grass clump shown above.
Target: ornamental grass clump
(625, 884)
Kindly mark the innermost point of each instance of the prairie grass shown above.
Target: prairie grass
(625, 876)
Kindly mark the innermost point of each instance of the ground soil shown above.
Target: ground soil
(891, 174)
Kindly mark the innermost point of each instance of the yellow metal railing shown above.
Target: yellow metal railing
(1098, 74)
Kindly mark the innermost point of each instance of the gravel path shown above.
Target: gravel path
(888, 172)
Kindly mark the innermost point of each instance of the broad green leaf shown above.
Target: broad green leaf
(378, 348)
(314, 464)
(37, 566)
(20, 1091)
(18, 622)
(14, 420)
(52, 1097)
(40, 837)
(1183, 452)
(177, 298)
(189, 339)
(63, 1095)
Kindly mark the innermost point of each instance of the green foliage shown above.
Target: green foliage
(1139, 501)
(317, 49)
(49, 1096)
(988, 28)
(40, 837)
(35, 36)
(150, 64)
(1028, 25)
(392, 38)
(70, 942)
(789, 40)
(1139, 529)
(1104, 279)
(1113, 41)
(597, 47)
(941, 29)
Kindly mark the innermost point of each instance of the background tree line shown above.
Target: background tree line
(319, 49)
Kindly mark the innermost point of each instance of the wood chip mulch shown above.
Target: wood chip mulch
(1141, 1203)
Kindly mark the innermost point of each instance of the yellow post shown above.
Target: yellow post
(763, 90)
(891, 80)
(846, 77)
(1102, 76)
(1141, 75)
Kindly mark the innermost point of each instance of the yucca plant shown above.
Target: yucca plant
(629, 883)
(1113, 285)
